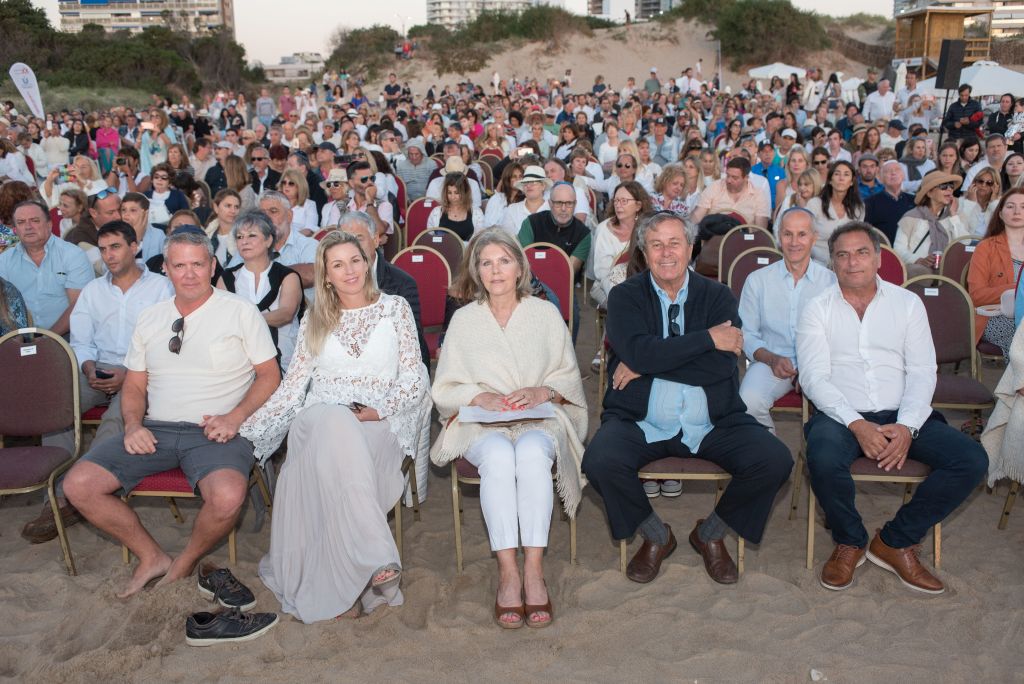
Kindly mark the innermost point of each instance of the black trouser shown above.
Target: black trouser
(758, 462)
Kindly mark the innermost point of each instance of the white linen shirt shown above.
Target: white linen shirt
(884, 362)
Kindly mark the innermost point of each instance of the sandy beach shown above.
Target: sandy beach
(775, 625)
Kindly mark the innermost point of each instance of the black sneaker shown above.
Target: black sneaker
(218, 584)
(207, 629)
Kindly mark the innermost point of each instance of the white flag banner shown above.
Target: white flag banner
(25, 80)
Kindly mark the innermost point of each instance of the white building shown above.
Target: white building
(194, 16)
(452, 13)
(299, 67)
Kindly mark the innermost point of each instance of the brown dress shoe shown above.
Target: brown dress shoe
(44, 528)
(838, 571)
(904, 564)
(647, 562)
(717, 561)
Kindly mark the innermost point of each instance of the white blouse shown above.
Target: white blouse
(247, 286)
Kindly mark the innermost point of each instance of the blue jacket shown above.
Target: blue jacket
(634, 328)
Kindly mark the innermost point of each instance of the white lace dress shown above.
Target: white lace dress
(329, 530)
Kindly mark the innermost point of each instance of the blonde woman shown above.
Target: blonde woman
(797, 162)
(356, 379)
(82, 174)
(304, 216)
(238, 180)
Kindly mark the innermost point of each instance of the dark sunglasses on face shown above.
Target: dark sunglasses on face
(364, 179)
(178, 328)
(333, 184)
(821, 162)
(287, 182)
(161, 176)
(623, 166)
(989, 183)
(944, 186)
(256, 159)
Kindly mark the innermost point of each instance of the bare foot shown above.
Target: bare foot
(178, 569)
(351, 614)
(146, 572)
(510, 594)
(536, 593)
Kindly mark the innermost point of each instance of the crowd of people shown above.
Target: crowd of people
(219, 271)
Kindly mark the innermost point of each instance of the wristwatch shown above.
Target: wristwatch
(914, 432)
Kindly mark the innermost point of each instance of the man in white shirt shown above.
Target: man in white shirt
(101, 326)
(879, 104)
(770, 306)
(867, 362)
(909, 90)
(198, 365)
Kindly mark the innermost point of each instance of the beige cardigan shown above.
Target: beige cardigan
(1003, 438)
(534, 350)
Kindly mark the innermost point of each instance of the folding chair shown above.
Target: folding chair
(395, 243)
(447, 243)
(689, 468)
(40, 375)
(487, 182)
(433, 278)
(549, 263)
(957, 257)
(739, 240)
(746, 263)
(403, 198)
(892, 269)
(490, 157)
(416, 218)
(408, 471)
(464, 472)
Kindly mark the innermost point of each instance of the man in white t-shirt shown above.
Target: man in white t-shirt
(197, 366)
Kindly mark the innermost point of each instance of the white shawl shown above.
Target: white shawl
(534, 350)
(1003, 438)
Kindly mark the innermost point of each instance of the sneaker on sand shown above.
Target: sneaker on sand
(218, 584)
(671, 487)
(652, 489)
(207, 629)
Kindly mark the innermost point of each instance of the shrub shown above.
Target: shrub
(367, 51)
(762, 31)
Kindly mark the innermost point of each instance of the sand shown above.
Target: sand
(775, 625)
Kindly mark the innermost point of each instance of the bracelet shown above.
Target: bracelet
(552, 393)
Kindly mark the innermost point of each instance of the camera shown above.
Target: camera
(343, 160)
(121, 161)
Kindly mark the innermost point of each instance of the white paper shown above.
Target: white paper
(476, 414)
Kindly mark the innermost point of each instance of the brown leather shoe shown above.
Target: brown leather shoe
(717, 561)
(838, 571)
(647, 562)
(904, 564)
(44, 528)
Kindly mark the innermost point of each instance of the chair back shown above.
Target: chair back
(748, 262)
(957, 257)
(487, 182)
(40, 375)
(882, 237)
(55, 218)
(592, 199)
(490, 157)
(892, 270)
(433, 278)
(447, 243)
(549, 263)
(395, 243)
(950, 317)
(739, 240)
(402, 196)
(416, 217)
(438, 159)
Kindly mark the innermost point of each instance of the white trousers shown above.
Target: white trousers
(760, 389)
(516, 493)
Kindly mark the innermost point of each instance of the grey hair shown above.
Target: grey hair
(188, 237)
(359, 218)
(853, 227)
(254, 218)
(649, 223)
(275, 196)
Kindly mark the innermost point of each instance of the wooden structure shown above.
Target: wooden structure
(919, 35)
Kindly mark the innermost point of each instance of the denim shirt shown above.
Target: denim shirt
(674, 406)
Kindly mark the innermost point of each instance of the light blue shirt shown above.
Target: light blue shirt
(771, 304)
(152, 243)
(674, 406)
(44, 287)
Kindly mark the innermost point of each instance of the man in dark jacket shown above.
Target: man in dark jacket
(674, 391)
(388, 278)
(262, 177)
(964, 117)
(215, 177)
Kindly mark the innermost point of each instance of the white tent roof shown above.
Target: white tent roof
(777, 69)
(985, 78)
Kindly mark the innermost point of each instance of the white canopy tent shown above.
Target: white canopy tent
(987, 79)
(769, 71)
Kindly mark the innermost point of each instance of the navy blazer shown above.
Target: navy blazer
(634, 327)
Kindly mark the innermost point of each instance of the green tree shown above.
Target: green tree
(761, 31)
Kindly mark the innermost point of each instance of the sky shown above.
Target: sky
(267, 36)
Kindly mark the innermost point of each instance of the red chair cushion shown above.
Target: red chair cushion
(960, 389)
(95, 413)
(790, 400)
(27, 466)
(865, 466)
(466, 469)
(173, 480)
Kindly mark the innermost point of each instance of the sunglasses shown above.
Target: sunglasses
(364, 179)
(944, 186)
(673, 324)
(178, 328)
(287, 182)
(570, 203)
(333, 184)
(623, 166)
(256, 159)
(161, 176)
(989, 183)
(107, 192)
(821, 162)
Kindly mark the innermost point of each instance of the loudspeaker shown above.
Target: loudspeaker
(951, 61)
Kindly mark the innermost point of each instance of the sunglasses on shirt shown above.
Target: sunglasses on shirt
(673, 324)
(178, 328)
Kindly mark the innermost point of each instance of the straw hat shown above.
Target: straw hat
(454, 165)
(534, 174)
(336, 174)
(934, 180)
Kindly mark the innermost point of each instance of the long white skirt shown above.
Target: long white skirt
(330, 531)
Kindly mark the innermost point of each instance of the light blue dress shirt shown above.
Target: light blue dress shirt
(674, 406)
(44, 287)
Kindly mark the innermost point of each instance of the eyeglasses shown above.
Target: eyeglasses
(944, 186)
(989, 183)
(333, 184)
(568, 203)
(623, 166)
(178, 328)
(287, 182)
(364, 179)
(820, 162)
(241, 237)
(107, 192)
(619, 201)
(673, 324)
(161, 176)
(256, 159)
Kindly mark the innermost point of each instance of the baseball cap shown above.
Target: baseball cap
(789, 133)
(327, 146)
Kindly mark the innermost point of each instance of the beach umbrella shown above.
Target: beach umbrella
(985, 79)
(768, 71)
